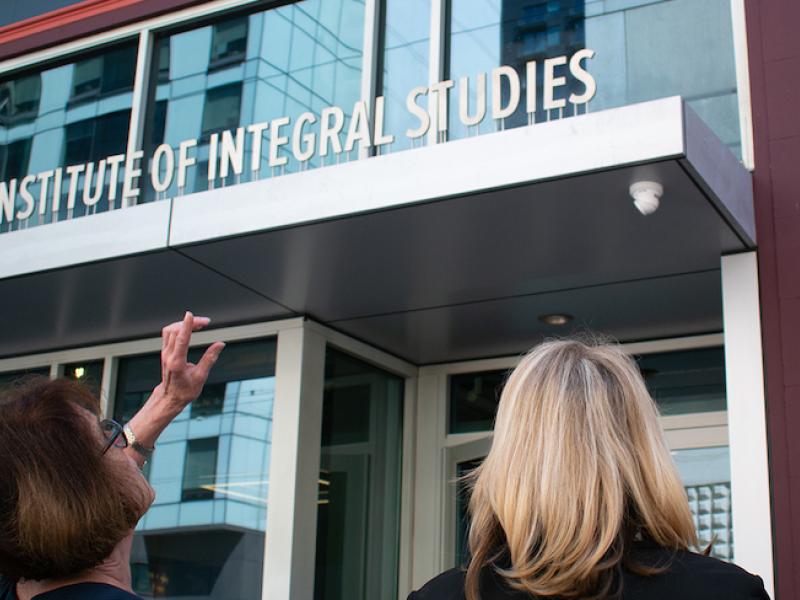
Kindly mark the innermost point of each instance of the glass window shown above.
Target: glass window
(644, 50)
(221, 109)
(228, 42)
(406, 61)
(11, 377)
(19, 100)
(358, 534)
(683, 382)
(204, 535)
(686, 382)
(89, 373)
(14, 159)
(109, 73)
(66, 114)
(94, 139)
(509, 32)
(473, 400)
(200, 469)
(249, 70)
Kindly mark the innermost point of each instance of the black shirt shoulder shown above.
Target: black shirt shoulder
(87, 591)
(686, 575)
(7, 591)
(689, 575)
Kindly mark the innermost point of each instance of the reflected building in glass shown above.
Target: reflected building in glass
(204, 535)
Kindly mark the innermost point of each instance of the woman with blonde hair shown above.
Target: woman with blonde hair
(579, 496)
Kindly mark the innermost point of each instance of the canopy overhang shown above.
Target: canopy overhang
(447, 252)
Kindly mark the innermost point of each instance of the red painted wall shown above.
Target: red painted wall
(774, 54)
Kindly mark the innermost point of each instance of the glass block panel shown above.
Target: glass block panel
(706, 474)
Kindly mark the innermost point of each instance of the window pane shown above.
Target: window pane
(358, 532)
(200, 469)
(228, 42)
(645, 50)
(89, 373)
(11, 377)
(204, 535)
(405, 64)
(680, 382)
(473, 400)
(686, 382)
(222, 107)
(67, 114)
(240, 71)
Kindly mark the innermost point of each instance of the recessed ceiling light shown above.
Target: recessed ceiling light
(557, 319)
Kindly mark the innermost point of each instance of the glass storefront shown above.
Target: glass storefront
(204, 535)
(358, 519)
(62, 116)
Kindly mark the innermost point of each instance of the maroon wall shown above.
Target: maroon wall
(774, 53)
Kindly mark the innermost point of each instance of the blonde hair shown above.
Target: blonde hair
(578, 467)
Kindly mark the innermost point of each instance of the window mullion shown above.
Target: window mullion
(370, 60)
(139, 102)
(437, 68)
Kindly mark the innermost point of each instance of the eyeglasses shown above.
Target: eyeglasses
(112, 431)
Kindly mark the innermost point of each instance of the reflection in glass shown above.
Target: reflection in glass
(473, 400)
(11, 377)
(63, 115)
(358, 533)
(645, 50)
(252, 69)
(405, 64)
(88, 373)
(686, 382)
(489, 34)
(200, 469)
(204, 535)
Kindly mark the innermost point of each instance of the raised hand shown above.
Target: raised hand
(183, 381)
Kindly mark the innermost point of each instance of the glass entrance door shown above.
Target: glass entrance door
(688, 386)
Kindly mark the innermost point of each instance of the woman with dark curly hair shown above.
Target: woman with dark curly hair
(71, 488)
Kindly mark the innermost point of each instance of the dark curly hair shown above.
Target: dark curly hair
(63, 506)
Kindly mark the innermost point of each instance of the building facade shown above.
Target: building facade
(382, 204)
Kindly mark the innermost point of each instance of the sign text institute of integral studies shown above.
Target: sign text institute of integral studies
(227, 150)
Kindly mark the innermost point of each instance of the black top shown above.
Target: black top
(689, 576)
(78, 591)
